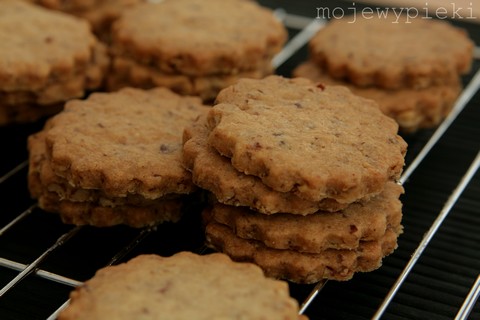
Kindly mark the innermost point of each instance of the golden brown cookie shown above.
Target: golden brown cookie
(42, 179)
(195, 37)
(393, 51)
(216, 174)
(317, 142)
(52, 57)
(60, 91)
(133, 139)
(92, 206)
(317, 232)
(183, 286)
(413, 109)
(46, 47)
(303, 267)
(114, 158)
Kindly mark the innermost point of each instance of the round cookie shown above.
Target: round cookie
(392, 52)
(183, 286)
(195, 37)
(79, 206)
(303, 267)
(216, 174)
(317, 232)
(317, 142)
(127, 142)
(413, 109)
(46, 47)
(60, 91)
(114, 159)
(42, 179)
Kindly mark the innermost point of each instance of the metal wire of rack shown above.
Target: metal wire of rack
(33, 265)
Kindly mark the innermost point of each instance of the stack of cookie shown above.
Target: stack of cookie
(51, 57)
(194, 47)
(183, 286)
(411, 67)
(114, 158)
(302, 176)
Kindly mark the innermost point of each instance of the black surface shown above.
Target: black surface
(435, 289)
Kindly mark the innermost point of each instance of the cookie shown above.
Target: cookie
(303, 267)
(126, 72)
(52, 57)
(48, 47)
(215, 173)
(183, 286)
(132, 138)
(91, 206)
(58, 92)
(317, 142)
(317, 232)
(114, 158)
(194, 37)
(413, 109)
(42, 179)
(393, 51)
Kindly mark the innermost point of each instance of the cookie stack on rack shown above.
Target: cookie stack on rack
(302, 178)
(50, 57)
(194, 47)
(410, 67)
(114, 158)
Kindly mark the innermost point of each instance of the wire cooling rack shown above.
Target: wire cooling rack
(434, 274)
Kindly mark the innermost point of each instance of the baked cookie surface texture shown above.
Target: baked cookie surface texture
(114, 154)
(194, 47)
(183, 286)
(215, 173)
(412, 109)
(393, 52)
(316, 142)
(411, 67)
(51, 57)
